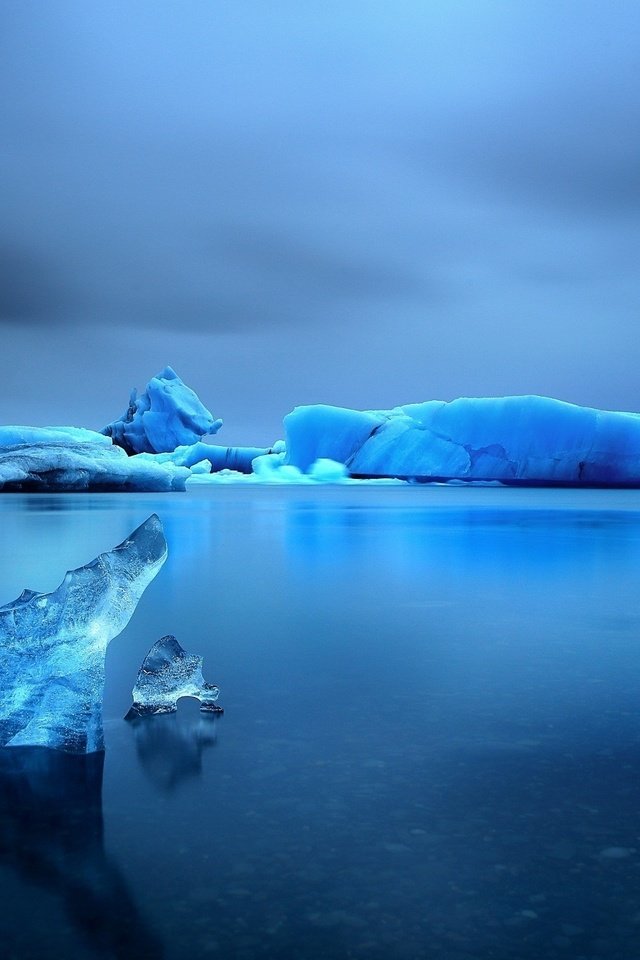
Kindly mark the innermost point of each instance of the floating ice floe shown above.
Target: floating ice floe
(511, 439)
(168, 673)
(43, 459)
(53, 645)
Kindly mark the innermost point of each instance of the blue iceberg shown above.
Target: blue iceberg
(525, 440)
(168, 414)
(168, 673)
(43, 459)
(53, 645)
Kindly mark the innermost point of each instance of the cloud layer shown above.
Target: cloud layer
(357, 203)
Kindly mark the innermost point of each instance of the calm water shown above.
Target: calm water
(430, 749)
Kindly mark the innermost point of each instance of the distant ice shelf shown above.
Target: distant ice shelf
(53, 645)
(157, 446)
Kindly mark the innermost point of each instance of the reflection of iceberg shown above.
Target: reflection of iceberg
(53, 646)
(166, 415)
(511, 439)
(168, 673)
(170, 746)
(51, 833)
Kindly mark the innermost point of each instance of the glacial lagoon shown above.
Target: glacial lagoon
(430, 744)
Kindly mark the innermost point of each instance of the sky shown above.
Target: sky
(357, 203)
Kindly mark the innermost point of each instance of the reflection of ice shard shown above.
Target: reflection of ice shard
(510, 439)
(51, 835)
(170, 746)
(167, 674)
(166, 415)
(53, 645)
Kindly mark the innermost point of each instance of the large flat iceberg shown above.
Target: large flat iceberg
(43, 459)
(511, 439)
(53, 645)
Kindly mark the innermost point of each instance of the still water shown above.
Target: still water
(430, 746)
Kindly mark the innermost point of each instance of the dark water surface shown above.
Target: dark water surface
(431, 744)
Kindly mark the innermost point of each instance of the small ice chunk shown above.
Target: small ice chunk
(202, 466)
(324, 470)
(272, 468)
(168, 673)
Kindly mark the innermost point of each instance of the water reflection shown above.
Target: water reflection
(51, 834)
(170, 746)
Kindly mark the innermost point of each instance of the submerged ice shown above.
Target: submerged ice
(168, 673)
(512, 439)
(53, 645)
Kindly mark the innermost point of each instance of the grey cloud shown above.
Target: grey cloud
(30, 289)
(449, 191)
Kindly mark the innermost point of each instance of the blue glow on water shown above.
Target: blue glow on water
(430, 744)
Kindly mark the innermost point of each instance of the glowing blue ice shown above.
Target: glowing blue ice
(168, 414)
(53, 645)
(168, 673)
(511, 439)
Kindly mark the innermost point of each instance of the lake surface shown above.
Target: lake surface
(430, 746)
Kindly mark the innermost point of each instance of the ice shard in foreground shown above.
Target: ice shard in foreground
(53, 645)
(168, 673)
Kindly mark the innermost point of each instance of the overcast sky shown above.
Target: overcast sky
(359, 203)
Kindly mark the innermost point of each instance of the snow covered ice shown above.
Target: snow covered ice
(511, 439)
(53, 646)
(168, 414)
(168, 673)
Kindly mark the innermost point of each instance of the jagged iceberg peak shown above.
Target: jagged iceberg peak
(168, 673)
(53, 645)
(527, 439)
(168, 414)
